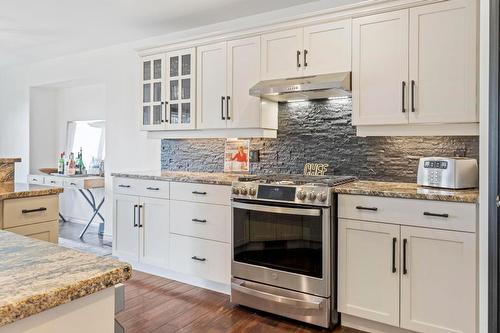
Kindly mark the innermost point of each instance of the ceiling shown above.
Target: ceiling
(33, 30)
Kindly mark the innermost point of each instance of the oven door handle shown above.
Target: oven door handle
(278, 210)
(296, 303)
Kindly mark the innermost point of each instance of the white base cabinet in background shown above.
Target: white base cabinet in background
(410, 264)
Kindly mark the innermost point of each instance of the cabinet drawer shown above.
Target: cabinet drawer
(207, 221)
(54, 181)
(205, 259)
(23, 211)
(35, 179)
(457, 216)
(141, 187)
(74, 183)
(46, 231)
(213, 194)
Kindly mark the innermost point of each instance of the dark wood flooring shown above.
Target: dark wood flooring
(159, 305)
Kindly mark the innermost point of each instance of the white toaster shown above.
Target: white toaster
(448, 172)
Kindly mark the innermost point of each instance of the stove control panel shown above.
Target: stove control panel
(300, 194)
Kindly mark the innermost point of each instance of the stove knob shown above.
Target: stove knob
(236, 190)
(311, 196)
(252, 191)
(243, 191)
(301, 195)
(322, 197)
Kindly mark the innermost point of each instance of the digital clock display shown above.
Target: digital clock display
(282, 193)
(436, 164)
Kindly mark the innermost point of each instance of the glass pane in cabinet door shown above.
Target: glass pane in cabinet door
(146, 70)
(174, 90)
(146, 93)
(186, 113)
(174, 113)
(174, 66)
(186, 89)
(157, 69)
(157, 92)
(186, 64)
(156, 114)
(145, 115)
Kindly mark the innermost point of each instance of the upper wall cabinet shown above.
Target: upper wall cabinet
(318, 49)
(416, 66)
(226, 72)
(168, 91)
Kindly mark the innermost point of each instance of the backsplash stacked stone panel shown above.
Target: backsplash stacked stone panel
(321, 132)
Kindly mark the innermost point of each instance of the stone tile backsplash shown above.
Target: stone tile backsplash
(321, 132)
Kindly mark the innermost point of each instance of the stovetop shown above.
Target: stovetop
(294, 179)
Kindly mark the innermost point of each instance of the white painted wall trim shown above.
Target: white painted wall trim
(419, 130)
(208, 134)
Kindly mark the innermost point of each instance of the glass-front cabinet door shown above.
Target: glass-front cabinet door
(180, 89)
(153, 93)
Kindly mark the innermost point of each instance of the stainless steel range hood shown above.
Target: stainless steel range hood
(304, 88)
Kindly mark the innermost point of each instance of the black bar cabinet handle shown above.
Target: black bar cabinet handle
(198, 192)
(305, 57)
(165, 111)
(394, 241)
(227, 107)
(135, 216)
(36, 210)
(405, 270)
(298, 58)
(403, 88)
(140, 224)
(412, 95)
(222, 98)
(198, 220)
(125, 186)
(198, 259)
(367, 208)
(153, 188)
(436, 215)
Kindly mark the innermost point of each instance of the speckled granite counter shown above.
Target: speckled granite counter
(214, 178)
(36, 276)
(407, 191)
(12, 190)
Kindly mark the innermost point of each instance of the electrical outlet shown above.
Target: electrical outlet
(254, 156)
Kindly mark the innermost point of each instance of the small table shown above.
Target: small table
(84, 185)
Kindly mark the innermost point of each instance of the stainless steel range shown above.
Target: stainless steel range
(284, 245)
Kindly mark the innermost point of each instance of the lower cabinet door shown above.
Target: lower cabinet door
(126, 227)
(202, 258)
(46, 231)
(438, 289)
(368, 270)
(154, 227)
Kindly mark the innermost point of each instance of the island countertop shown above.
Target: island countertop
(37, 276)
(215, 178)
(11, 190)
(407, 191)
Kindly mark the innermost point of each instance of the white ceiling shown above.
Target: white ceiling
(33, 30)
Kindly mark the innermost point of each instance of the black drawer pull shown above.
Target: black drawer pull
(436, 215)
(153, 188)
(125, 186)
(198, 192)
(198, 259)
(394, 241)
(135, 216)
(52, 181)
(72, 184)
(374, 209)
(198, 220)
(405, 270)
(27, 211)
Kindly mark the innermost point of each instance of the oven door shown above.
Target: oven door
(282, 246)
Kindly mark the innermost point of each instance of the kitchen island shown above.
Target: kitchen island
(48, 288)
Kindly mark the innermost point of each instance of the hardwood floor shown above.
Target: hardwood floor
(159, 305)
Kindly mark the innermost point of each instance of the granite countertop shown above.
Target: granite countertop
(407, 191)
(12, 190)
(9, 160)
(36, 276)
(215, 178)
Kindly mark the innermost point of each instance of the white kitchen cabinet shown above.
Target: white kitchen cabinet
(443, 62)
(141, 229)
(380, 69)
(318, 49)
(168, 91)
(416, 66)
(438, 288)
(227, 71)
(368, 257)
